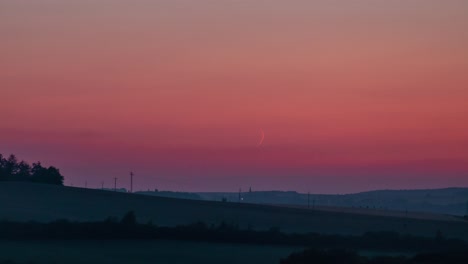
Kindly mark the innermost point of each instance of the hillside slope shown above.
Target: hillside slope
(25, 201)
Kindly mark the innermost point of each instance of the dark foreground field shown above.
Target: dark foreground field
(126, 241)
(128, 251)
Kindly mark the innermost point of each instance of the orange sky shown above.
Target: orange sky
(351, 95)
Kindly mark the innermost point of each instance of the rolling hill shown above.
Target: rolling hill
(27, 201)
(452, 201)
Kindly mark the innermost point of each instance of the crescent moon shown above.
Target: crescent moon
(262, 137)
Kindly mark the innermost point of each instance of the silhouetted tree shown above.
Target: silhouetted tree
(24, 171)
(13, 170)
(2, 168)
(129, 219)
(8, 168)
(46, 175)
(11, 166)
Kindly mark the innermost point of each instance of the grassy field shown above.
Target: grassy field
(138, 252)
(24, 202)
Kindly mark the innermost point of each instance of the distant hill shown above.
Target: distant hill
(41, 202)
(169, 194)
(453, 201)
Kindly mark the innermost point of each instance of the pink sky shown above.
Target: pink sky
(351, 95)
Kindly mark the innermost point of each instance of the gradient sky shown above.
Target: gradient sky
(351, 95)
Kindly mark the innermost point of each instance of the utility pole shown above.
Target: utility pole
(102, 185)
(131, 181)
(240, 190)
(115, 184)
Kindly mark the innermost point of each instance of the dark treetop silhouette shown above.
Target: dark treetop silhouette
(13, 170)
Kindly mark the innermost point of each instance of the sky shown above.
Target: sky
(350, 95)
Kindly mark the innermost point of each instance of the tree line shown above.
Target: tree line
(320, 248)
(128, 228)
(11, 169)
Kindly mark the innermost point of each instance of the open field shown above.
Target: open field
(136, 252)
(23, 201)
(380, 212)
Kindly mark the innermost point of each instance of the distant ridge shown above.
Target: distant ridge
(451, 201)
